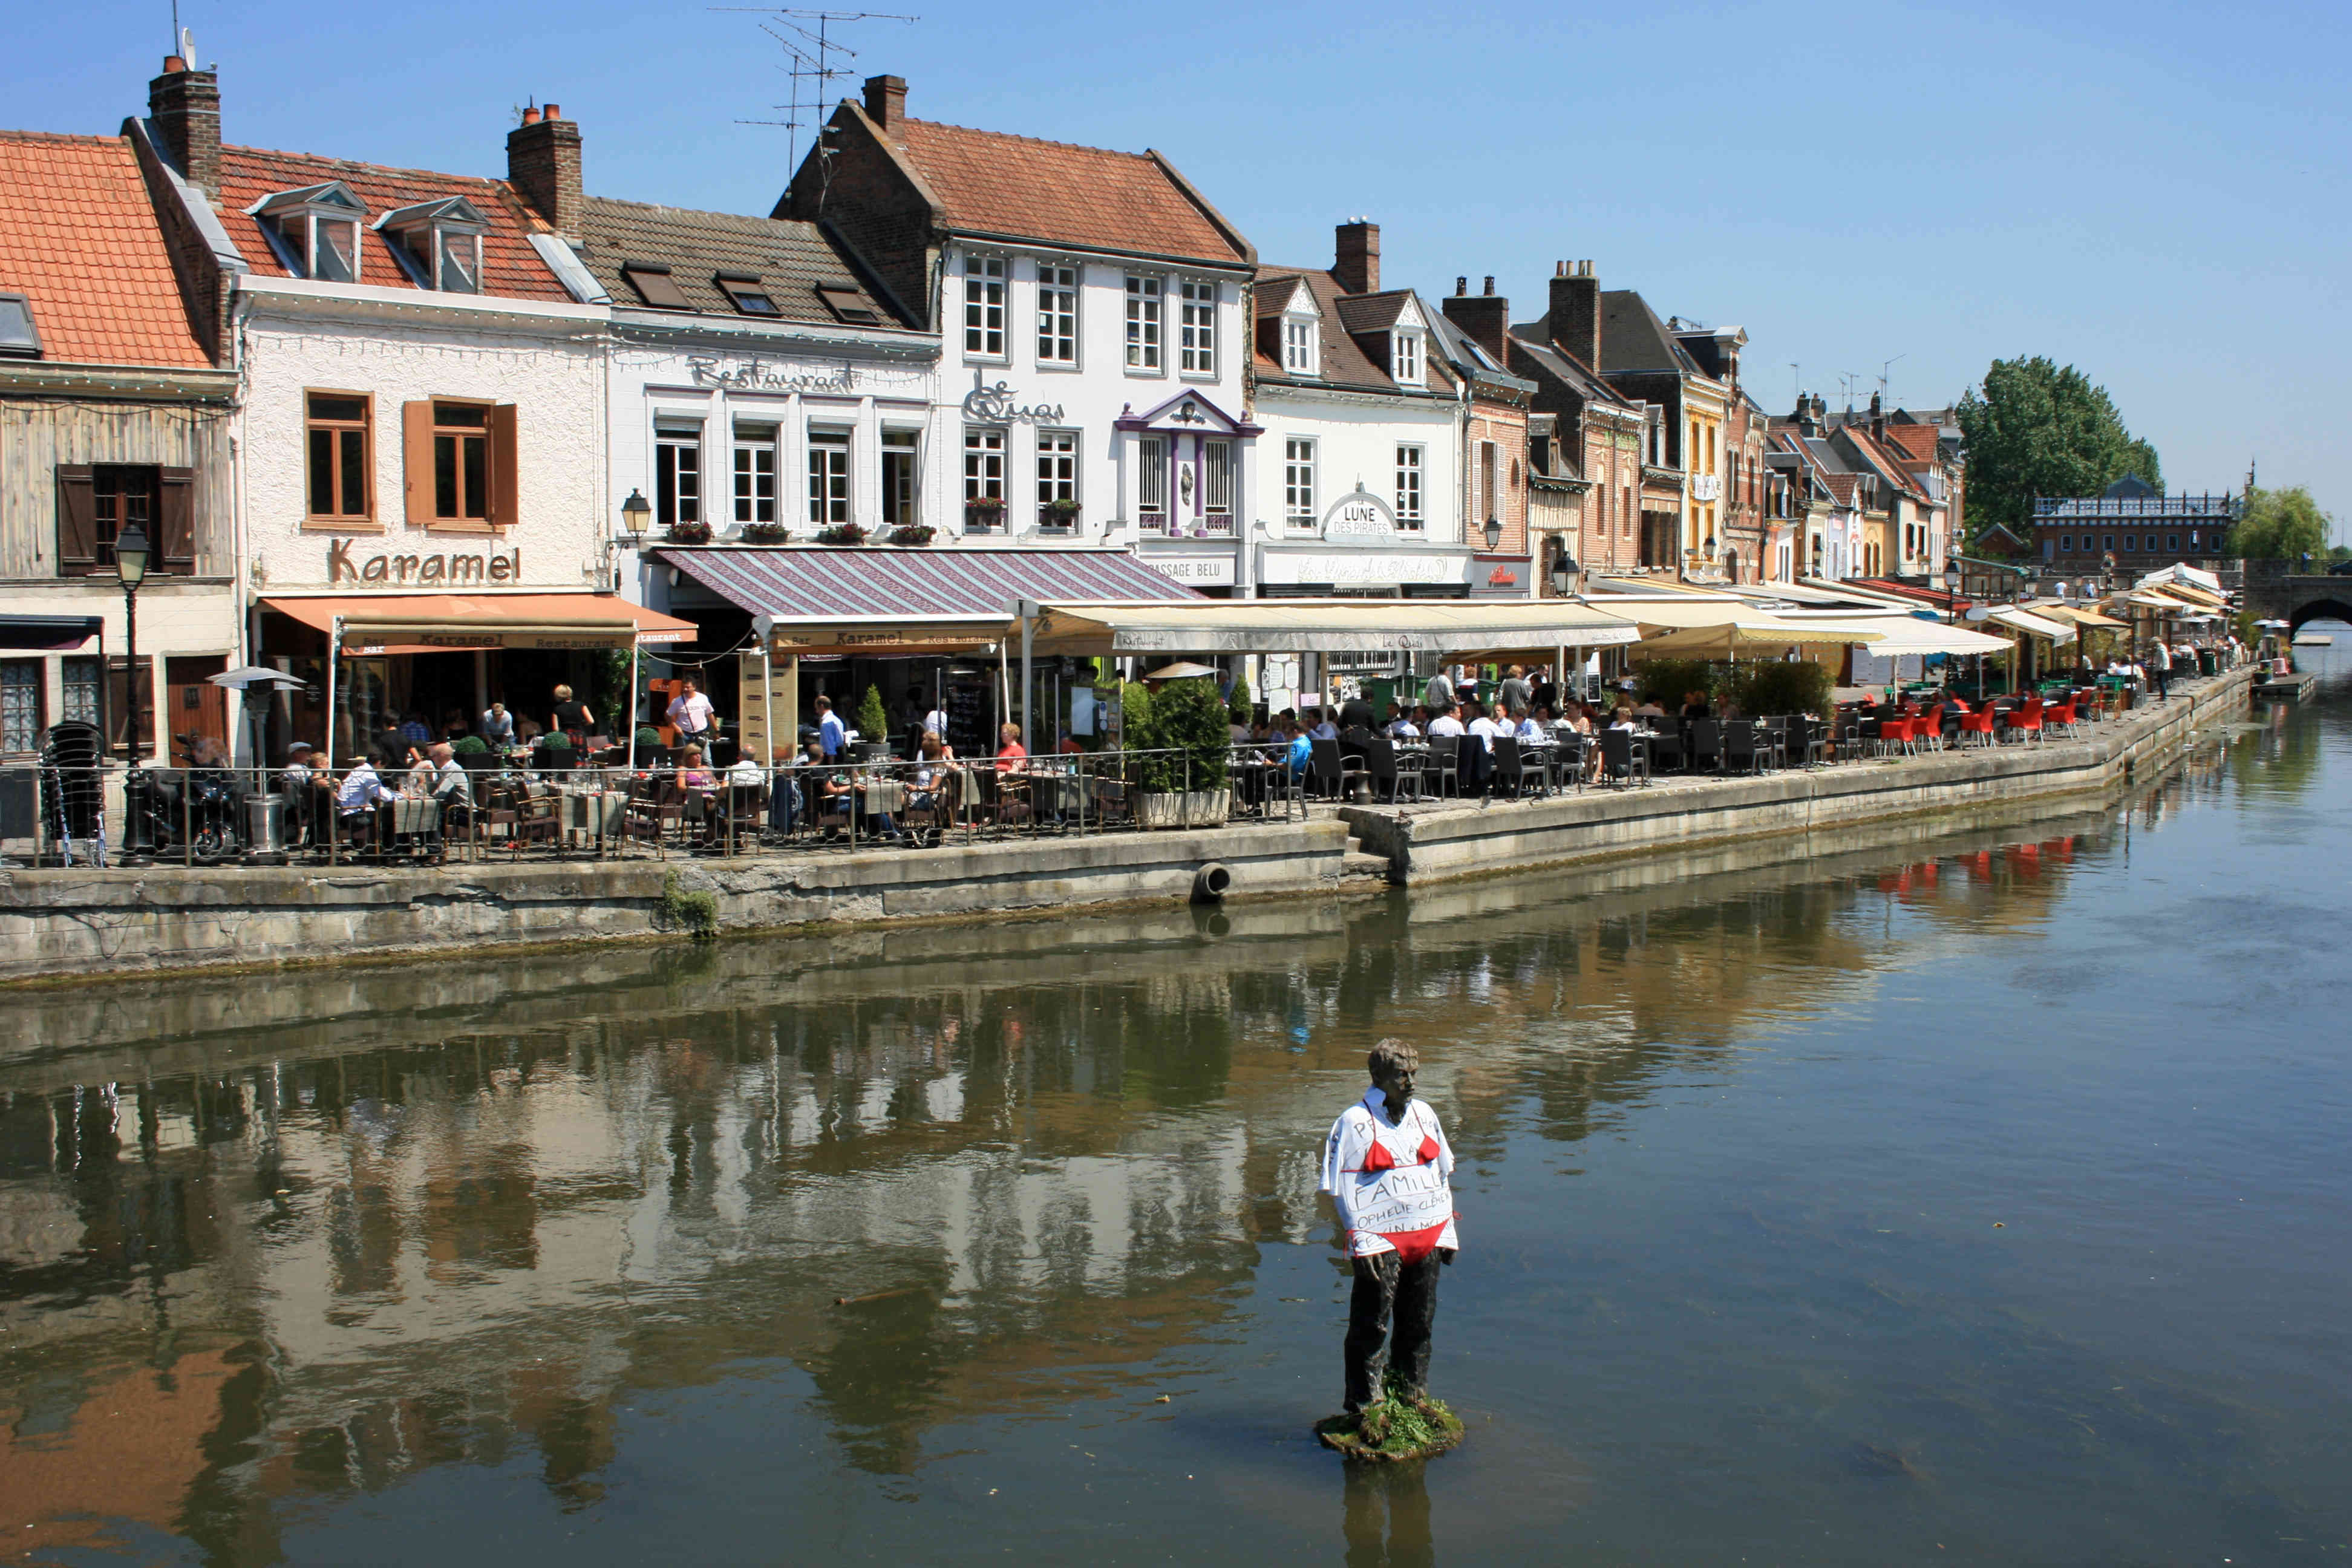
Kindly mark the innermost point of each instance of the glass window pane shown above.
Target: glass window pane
(322, 473)
(477, 477)
(444, 476)
(461, 416)
(324, 406)
(354, 473)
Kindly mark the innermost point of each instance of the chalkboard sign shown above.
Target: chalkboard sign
(972, 717)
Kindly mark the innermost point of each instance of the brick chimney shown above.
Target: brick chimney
(185, 106)
(1576, 311)
(543, 166)
(1877, 419)
(1484, 319)
(885, 99)
(1358, 254)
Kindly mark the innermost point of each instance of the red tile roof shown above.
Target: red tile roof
(1917, 441)
(992, 183)
(510, 266)
(78, 239)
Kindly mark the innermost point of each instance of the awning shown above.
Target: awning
(2027, 622)
(1679, 613)
(376, 624)
(1754, 633)
(877, 600)
(2089, 619)
(1327, 625)
(47, 634)
(1900, 636)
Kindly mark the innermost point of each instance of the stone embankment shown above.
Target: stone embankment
(71, 924)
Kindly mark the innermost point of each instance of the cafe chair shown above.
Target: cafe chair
(1706, 741)
(1740, 752)
(1445, 762)
(1666, 749)
(1381, 768)
(1617, 759)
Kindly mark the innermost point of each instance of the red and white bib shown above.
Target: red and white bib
(1390, 1178)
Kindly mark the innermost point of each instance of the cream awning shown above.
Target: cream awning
(1325, 626)
(2028, 622)
(1681, 614)
(1901, 637)
(1754, 633)
(2089, 619)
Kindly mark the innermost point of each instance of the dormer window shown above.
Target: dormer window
(19, 338)
(1301, 350)
(315, 230)
(843, 303)
(654, 286)
(1404, 359)
(747, 293)
(440, 242)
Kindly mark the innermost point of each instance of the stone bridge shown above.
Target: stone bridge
(2273, 593)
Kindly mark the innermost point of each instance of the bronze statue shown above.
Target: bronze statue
(1387, 1166)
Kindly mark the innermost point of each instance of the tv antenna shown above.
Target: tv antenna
(815, 59)
(1796, 380)
(1884, 373)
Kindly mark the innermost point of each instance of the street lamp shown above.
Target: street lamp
(1566, 576)
(637, 517)
(130, 551)
(1494, 533)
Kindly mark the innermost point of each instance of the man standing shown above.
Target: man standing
(2160, 666)
(1515, 695)
(1386, 1166)
(690, 711)
(830, 734)
(1438, 695)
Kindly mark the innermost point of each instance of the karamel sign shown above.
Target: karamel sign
(439, 569)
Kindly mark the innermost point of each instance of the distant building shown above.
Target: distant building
(2139, 526)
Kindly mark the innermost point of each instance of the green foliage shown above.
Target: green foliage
(1394, 1427)
(469, 746)
(1667, 681)
(648, 738)
(1136, 731)
(612, 689)
(1237, 700)
(696, 912)
(872, 724)
(2036, 428)
(1770, 687)
(2282, 525)
(1185, 722)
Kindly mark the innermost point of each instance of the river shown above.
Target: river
(1969, 1192)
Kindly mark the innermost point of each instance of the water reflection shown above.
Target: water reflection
(297, 1244)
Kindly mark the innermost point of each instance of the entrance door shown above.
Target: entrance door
(193, 705)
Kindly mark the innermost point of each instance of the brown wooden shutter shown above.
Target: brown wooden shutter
(176, 519)
(77, 521)
(417, 460)
(505, 488)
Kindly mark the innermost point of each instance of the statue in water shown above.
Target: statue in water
(1387, 1167)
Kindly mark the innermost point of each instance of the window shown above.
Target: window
(317, 230)
(654, 286)
(1151, 483)
(2110, 543)
(1197, 328)
(1057, 315)
(677, 475)
(2131, 543)
(828, 477)
(747, 293)
(842, 300)
(1057, 475)
(441, 242)
(338, 456)
(2172, 542)
(755, 474)
(983, 306)
(81, 690)
(1404, 359)
(900, 479)
(461, 462)
(1217, 496)
(20, 338)
(1299, 349)
(1142, 323)
(1299, 483)
(1408, 487)
(2066, 544)
(984, 477)
(97, 501)
(20, 705)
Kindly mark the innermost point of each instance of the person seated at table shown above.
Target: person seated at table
(418, 783)
(1448, 722)
(822, 786)
(1648, 709)
(1624, 718)
(452, 786)
(416, 730)
(1728, 709)
(1070, 747)
(1301, 755)
(1237, 730)
(930, 772)
(1483, 725)
(1320, 724)
(1694, 705)
(1403, 727)
(1527, 732)
(1012, 756)
(691, 773)
(362, 791)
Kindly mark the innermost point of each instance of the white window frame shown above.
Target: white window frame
(1405, 360)
(983, 307)
(753, 480)
(1219, 474)
(677, 474)
(1147, 324)
(1058, 286)
(907, 446)
(1152, 483)
(1411, 472)
(1298, 482)
(830, 499)
(1302, 344)
(1057, 470)
(984, 450)
(1196, 327)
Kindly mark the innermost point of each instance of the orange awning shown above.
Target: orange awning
(444, 623)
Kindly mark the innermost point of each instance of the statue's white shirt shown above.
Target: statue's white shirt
(1400, 1199)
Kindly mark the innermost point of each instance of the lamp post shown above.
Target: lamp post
(636, 518)
(1494, 533)
(131, 552)
(1566, 576)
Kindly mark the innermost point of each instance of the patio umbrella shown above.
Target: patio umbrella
(253, 675)
(1751, 635)
(1182, 669)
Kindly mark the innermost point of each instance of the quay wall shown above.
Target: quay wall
(67, 924)
(1423, 846)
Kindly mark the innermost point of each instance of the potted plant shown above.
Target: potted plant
(983, 514)
(1183, 782)
(766, 534)
(842, 533)
(1060, 512)
(913, 534)
(873, 726)
(689, 533)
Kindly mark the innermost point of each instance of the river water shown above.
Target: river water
(1971, 1194)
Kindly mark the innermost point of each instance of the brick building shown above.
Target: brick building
(1592, 457)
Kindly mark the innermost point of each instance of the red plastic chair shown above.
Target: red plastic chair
(2061, 717)
(2026, 721)
(1977, 723)
(1929, 730)
(1894, 733)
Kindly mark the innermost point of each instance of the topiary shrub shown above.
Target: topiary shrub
(873, 724)
(469, 746)
(1237, 700)
(648, 738)
(1665, 681)
(1774, 687)
(1187, 724)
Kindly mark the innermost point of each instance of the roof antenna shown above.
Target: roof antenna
(1883, 399)
(810, 51)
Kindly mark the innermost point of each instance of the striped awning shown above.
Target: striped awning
(883, 588)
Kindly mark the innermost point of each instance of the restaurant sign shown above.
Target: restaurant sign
(1210, 571)
(438, 570)
(997, 405)
(1361, 515)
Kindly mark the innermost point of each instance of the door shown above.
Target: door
(193, 705)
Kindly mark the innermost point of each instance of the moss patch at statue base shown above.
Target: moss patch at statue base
(1396, 1426)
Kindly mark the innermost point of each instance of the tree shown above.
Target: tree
(2036, 428)
(2282, 525)
(872, 724)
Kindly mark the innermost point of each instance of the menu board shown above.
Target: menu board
(752, 707)
(972, 717)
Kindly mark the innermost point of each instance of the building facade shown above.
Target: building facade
(2132, 527)
(1599, 438)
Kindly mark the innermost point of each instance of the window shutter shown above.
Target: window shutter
(77, 521)
(175, 519)
(505, 489)
(417, 460)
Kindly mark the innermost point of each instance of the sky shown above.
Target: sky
(2143, 190)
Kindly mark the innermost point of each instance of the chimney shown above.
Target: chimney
(543, 166)
(185, 106)
(1576, 311)
(1808, 424)
(1877, 419)
(885, 99)
(1357, 257)
(1484, 319)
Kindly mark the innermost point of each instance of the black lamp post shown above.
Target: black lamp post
(1566, 576)
(1494, 533)
(130, 553)
(637, 517)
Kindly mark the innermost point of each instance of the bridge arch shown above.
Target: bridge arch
(2320, 609)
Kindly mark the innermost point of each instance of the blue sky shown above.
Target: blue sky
(2148, 191)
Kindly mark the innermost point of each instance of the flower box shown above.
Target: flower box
(842, 533)
(766, 534)
(983, 516)
(913, 534)
(1058, 515)
(689, 533)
